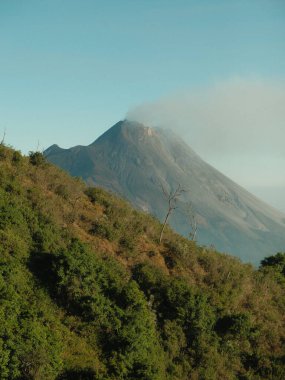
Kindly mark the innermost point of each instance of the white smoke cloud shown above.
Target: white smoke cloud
(238, 121)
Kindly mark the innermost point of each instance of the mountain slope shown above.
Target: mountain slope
(135, 161)
(86, 291)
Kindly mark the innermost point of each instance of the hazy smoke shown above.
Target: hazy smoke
(229, 124)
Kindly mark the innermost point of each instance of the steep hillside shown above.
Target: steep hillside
(136, 162)
(86, 291)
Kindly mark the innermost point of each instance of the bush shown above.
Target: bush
(62, 191)
(104, 230)
(37, 158)
(237, 324)
(78, 374)
(276, 262)
(91, 193)
(100, 293)
(16, 157)
(3, 152)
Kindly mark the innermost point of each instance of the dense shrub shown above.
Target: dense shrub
(104, 230)
(16, 157)
(100, 293)
(37, 158)
(170, 312)
(3, 152)
(62, 191)
(276, 262)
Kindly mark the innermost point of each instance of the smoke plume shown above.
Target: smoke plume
(238, 125)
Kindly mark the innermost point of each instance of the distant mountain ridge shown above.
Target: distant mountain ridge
(132, 160)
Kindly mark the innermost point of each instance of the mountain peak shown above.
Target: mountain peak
(135, 126)
(52, 149)
(139, 128)
(133, 159)
(127, 129)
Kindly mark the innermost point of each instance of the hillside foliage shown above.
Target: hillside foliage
(86, 291)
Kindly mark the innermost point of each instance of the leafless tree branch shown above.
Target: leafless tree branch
(3, 138)
(172, 198)
(192, 221)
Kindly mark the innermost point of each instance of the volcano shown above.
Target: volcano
(141, 164)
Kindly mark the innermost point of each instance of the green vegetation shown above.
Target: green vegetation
(86, 291)
(276, 265)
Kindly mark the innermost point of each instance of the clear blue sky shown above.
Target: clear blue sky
(70, 69)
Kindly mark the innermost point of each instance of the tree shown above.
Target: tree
(276, 261)
(192, 221)
(276, 265)
(172, 198)
(3, 138)
(37, 158)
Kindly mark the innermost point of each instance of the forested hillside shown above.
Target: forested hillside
(86, 291)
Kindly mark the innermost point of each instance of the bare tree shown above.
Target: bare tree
(192, 222)
(3, 138)
(172, 198)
